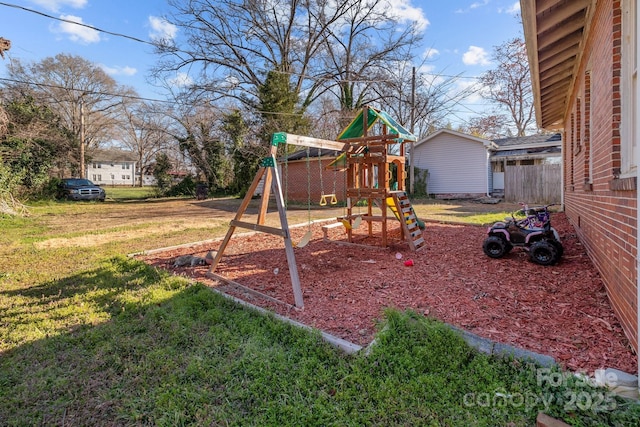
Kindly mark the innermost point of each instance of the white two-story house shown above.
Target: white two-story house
(111, 167)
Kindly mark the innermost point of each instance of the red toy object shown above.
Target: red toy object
(408, 262)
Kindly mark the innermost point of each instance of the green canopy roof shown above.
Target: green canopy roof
(356, 127)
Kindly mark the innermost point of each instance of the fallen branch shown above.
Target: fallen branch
(9, 205)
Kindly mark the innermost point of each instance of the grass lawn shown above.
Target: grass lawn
(91, 337)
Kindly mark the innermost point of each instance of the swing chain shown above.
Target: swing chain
(323, 198)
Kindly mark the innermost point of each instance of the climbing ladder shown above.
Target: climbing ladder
(402, 209)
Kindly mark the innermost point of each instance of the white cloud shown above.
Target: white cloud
(161, 29)
(56, 5)
(479, 4)
(475, 56)
(429, 76)
(118, 70)
(181, 80)
(514, 9)
(472, 6)
(408, 13)
(431, 53)
(76, 33)
(472, 87)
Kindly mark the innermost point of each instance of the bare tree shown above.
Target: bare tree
(435, 96)
(85, 98)
(359, 48)
(509, 84)
(198, 134)
(233, 49)
(492, 126)
(327, 122)
(145, 133)
(231, 45)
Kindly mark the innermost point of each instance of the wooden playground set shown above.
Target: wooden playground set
(373, 156)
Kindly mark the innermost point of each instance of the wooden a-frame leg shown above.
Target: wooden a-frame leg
(288, 245)
(241, 210)
(264, 201)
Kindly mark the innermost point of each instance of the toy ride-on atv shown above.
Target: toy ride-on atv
(534, 233)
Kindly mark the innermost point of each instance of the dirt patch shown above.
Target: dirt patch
(562, 311)
(91, 240)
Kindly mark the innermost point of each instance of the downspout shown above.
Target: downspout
(489, 169)
(489, 174)
(562, 166)
(637, 160)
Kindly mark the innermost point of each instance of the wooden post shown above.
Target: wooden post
(269, 168)
(266, 188)
(241, 210)
(288, 246)
(264, 201)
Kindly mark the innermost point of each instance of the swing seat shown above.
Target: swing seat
(305, 240)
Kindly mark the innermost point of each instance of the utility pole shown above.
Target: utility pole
(82, 171)
(412, 144)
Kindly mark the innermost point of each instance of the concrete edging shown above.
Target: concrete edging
(346, 346)
(628, 388)
(495, 348)
(483, 345)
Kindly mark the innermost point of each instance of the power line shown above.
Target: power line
(139, 98)
(68, 21)
(26, 9)
(51, 86)
(135, 97)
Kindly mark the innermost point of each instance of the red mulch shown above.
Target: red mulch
(561, 310)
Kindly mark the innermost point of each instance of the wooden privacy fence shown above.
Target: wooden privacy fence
(540, 184)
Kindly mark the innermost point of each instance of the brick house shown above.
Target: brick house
(582, 55)
(305, 176)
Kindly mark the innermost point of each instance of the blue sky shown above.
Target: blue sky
(459, 35)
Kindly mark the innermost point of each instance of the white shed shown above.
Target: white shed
(458, 164)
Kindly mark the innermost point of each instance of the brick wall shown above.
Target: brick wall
(304, 181)
(600, 204)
